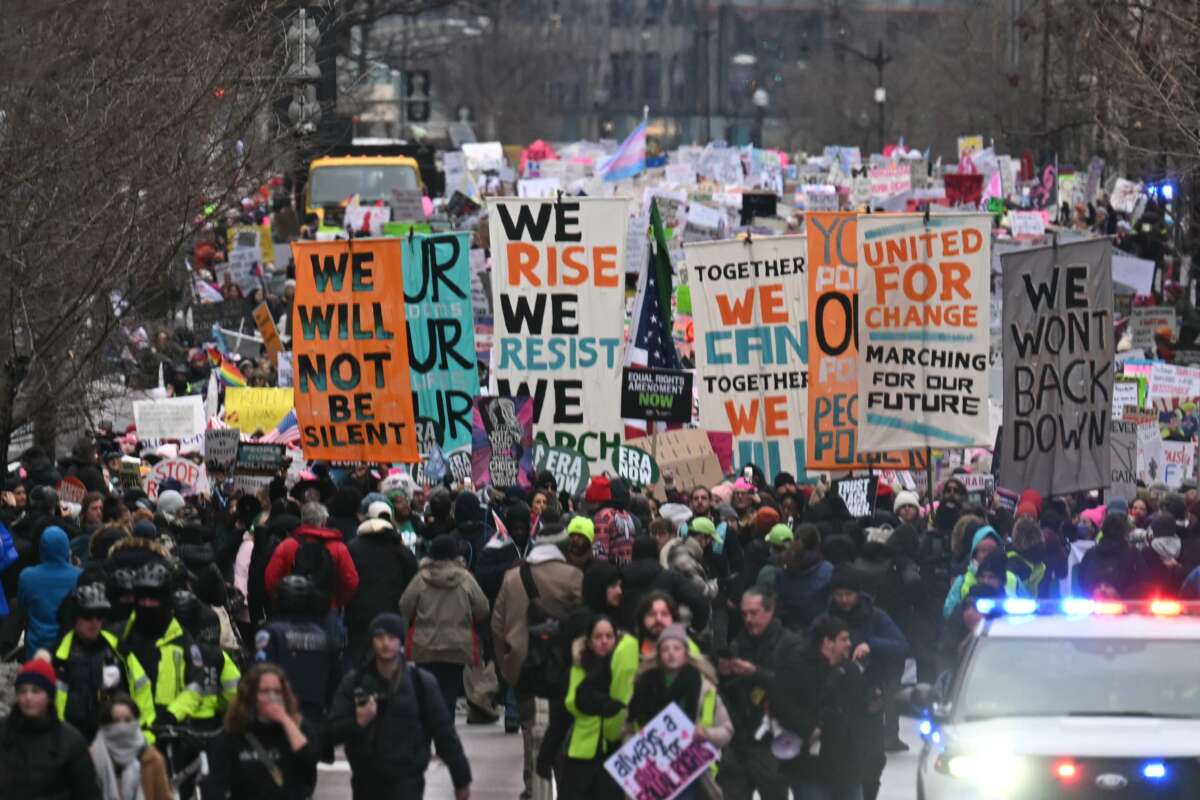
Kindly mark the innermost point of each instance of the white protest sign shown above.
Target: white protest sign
(1168, 380)
(369, 217)
(889, 181)
(1144, 322)
(1123, 463)
(538, 187)
(172, 418)
(484, 156)
(637, 243)
(1179, 463)
(191, 476)
(1151, 456)
(1027, 224)
(681, 174)
(820, 198)
(1124, 196)
(1125, 393)
(221, 447)
(662, 759)
(704, 217)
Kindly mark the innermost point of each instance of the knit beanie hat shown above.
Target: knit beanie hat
(444, 548)
(905, 499)
(676, 632)
(38, 672)
(391, 624)
(582, 526)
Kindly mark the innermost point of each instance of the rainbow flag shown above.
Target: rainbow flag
(630, 158)
(227, 371)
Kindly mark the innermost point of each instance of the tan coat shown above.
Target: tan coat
(442, 603)
(155, 783)
(560, 587)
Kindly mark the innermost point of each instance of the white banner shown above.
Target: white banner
(1179, 463)
(1168, 380)
(1144, 322)
(750, 311)
(558, 288)
(923, 322)
(172, 418)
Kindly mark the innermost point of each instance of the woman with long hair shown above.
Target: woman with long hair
(265, 751)
(127, 766)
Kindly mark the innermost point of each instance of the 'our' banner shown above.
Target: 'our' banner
(923, 331)
(441, 336)
(1058, 369)
(750, 309)
(350, 343)
(559, 294)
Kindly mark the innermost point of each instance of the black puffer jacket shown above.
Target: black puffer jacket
(44, 760)
(644, 574)
(385, 567)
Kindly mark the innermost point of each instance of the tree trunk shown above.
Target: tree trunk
(45, 427)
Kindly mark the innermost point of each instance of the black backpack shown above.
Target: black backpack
(314, 562)
(547, 665)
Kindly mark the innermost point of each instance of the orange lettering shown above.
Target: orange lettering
(775, 411)
(770, 304)
(579, 270)
(954, 279)
(742, 419)
(604, 262)
(741, 312)
(522, 259)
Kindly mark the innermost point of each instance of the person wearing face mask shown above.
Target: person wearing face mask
(678, 678)
(596, 700)
(985, 544)
(266, 751)
(127, 766)
(87, 661)
(42, 757)
(156, 646)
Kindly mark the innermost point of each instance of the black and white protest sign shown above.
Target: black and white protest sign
(664, 395)
(858, 494)
(1057, 368)
(569, 467)
(221, 447)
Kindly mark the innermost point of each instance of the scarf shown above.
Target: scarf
(119, 746)
(652, 693)
(1167, 548)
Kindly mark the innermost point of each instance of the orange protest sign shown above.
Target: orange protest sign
(350, 342)
(267, 330)
(833, 350)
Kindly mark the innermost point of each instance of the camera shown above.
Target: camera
(362, 697)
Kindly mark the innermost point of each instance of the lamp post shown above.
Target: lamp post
(879, 60)
(761, 100)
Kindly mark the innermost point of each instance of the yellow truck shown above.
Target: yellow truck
(333, 180)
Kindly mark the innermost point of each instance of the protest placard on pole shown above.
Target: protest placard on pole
(750, 310)
(502, 449)
(441, 337)
(71, 490)
(267, 330)
(1125, 393)
(664, 395)
(353, 391)
(1145, 322)
(257, 465)
(1123, 462)
(662, 759)
(258, 408)
(560, 320)
(221, 447)
(685, 454)
(170, 418)
(1057, 368)
(923, 331)
(569, 467)
(635, 465)
(858, 494)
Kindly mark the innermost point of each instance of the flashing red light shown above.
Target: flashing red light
(1166, 608)
(1066, 771)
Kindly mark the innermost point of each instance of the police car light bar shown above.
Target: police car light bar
(1084, 607)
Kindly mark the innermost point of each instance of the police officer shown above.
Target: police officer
(87, 660)
(219, 674)
(165, 666)
(295, 640)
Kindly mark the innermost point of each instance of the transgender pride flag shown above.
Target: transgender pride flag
(630, 158)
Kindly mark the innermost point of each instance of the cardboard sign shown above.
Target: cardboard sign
(1151, 455)
(569, 467)
(923, 320)
(889, 181)
(750, 311)
(686, 454)
(1179, 463)
(1125, 393)
(1144, 322)
(1057, 368)
(662, 759)
(221, 448)
(858, 494)
(559, 316)
(190, 474)
(664, 395)
(441, 339)
(353, 390)
(266, 329)
(1168, 381)
(636, 466)
(1123, 461)
(172, 418)
(258, 408)
(502, 442)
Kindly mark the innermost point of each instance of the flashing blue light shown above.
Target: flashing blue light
(985, 605)
(1077, 606)
(925, 728)
(1168, 191)
(936, 737)
(1154, 771)
(1020, 605)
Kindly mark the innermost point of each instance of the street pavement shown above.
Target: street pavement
(496, 768)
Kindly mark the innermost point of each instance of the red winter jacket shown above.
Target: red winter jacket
(345, 575)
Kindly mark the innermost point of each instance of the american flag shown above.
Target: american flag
(286, 432)
(651, 345)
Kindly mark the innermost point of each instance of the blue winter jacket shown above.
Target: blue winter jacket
(8, 557)
(42, 589)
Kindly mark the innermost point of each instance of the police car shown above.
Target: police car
(1069, 699)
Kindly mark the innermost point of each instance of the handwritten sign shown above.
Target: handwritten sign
(256, 408)
(663, 759)
(353, 390)
(190, 475)
(172, 418)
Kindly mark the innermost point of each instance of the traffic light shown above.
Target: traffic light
(416, 95)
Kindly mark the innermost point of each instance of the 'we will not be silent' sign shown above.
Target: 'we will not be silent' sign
(559, 297)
